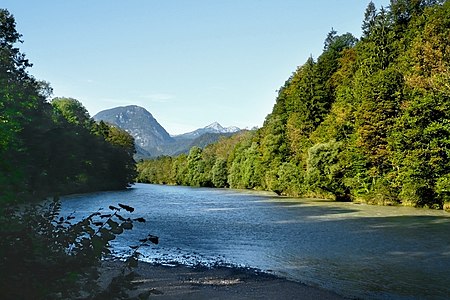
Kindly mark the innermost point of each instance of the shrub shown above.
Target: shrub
(44, 255)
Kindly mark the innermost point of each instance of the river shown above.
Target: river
(356, 250)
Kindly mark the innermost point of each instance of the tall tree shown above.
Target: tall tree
(21, 105)
(369, 19)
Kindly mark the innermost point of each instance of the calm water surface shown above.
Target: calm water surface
(356, 250)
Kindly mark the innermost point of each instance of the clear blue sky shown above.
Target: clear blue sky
(189, 63)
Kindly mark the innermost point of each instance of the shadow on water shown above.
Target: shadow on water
(357, 250)
(319, 210)
(382, 257)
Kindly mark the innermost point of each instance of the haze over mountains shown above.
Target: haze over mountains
(152, 139)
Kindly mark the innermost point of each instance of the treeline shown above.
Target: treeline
(51, 148)
(368, 120)
(206, 167)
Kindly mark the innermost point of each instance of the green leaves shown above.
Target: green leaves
(62, 255)
(73, 111)
(326, 170)
(48, 149)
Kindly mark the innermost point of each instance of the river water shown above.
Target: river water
(363, 251)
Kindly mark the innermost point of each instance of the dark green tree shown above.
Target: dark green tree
(369, 19)
(219, 173)
(21, 108)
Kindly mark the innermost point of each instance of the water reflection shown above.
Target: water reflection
(357, 250)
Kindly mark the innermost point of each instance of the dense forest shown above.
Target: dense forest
(51, 148)
(368, 120)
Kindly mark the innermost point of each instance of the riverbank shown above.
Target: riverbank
(182, 282)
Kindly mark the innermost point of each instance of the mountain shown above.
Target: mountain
(152, 140)
(150, 137)
(211, 128)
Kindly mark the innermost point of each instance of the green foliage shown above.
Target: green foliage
(326, 171)
(73, 111)
(379, 97)
(286, 178)
(369, 19)
(249, 169)
(48, 149)
(48, 256)
(368, 120)
(443, 190)
(19, 102)
(219, 173)
(196, 174)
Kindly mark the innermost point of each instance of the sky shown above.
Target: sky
(188, 62)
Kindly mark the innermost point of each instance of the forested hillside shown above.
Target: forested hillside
(369, 120)
(51, 148)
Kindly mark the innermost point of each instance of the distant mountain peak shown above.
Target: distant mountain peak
(232, 129)
(211, 128)
(151, 139)
(215, 126)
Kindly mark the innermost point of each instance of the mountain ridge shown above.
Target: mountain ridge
(152, 140)
(214, 127)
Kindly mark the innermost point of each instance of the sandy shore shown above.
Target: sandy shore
(181, 282)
